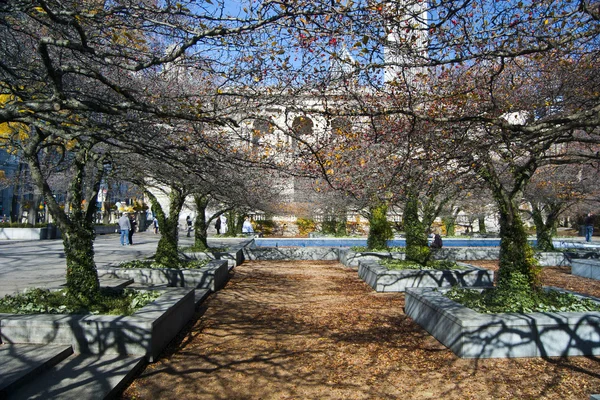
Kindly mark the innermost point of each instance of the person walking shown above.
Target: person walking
(155, 225)
(133, 223)
(589, 227)
(125, 227)
(247, 228)
(218, 225)
(224, 224)
(188, 221)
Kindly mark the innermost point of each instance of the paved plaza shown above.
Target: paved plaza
(41, 263)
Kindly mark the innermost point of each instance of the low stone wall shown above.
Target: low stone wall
(587, 268)
(384, 280)
(291, 253)
(146, 332)
(470, 334)
(213, 276)
(105, 229)
(352, 258)
(29, 233)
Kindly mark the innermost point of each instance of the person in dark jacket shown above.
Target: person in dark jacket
(437, 242)
(589, 227)
(188, 222)
(218, 225)
(133, 223)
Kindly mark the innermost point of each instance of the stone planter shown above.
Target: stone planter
(145, 333)
(213, 276)
(470, 334)
(384, 280)
(552, 259)
(234, 257)
(587, 268)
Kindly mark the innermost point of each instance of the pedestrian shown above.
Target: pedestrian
(589, 227)
(247, 227)
(188, 220)
(155, 225)
(218, 225)
(133, 223)
(224, 224)
(437, 242)
(125, 227)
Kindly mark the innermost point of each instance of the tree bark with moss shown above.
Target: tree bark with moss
(517, 262)
(545, 229)
(77, 226)
(201, 225)
(167, 249)
(417, 247)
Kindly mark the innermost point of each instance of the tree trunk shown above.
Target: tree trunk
(167, 251)
(450, 223)
(482, 228)
(380, 230)
(82, 276)
(543, 230)
(341, 220)
(239, 223)
(517, 259)
(417, 248)
(200, 225)
(231, 222)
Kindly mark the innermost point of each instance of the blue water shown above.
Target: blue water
(333, 242)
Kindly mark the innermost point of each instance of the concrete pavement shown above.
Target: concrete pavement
(41, 263)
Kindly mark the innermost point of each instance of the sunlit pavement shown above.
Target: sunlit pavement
(41, 263)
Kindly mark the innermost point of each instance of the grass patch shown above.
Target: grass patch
(150, 264)
(109, 301)
(492, 301)
(436, 265)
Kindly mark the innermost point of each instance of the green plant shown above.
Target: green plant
(150, 264)
(108, 301)
(441, 265)
(520, 300)
(203, 249)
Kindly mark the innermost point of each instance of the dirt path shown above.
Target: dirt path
(314, 330)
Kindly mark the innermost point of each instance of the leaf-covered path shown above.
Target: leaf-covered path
(314, 330)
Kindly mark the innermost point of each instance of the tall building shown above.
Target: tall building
(407, 40)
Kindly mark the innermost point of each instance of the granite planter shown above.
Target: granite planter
(146, 332)
(234, 256)
(383, 279)
(470, 334)
(587, 268)
(213, 276)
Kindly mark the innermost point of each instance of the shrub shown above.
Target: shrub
(266, 227)
(380, 230)
(306, 226)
